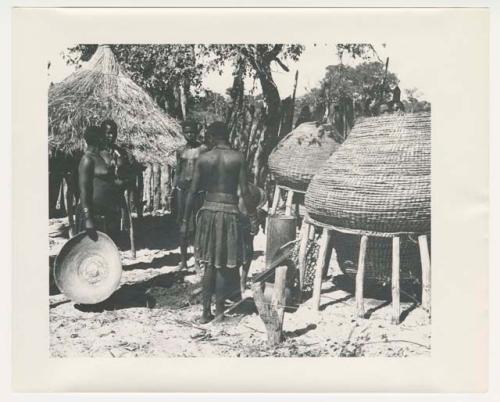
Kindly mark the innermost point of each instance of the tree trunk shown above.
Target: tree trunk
(272, 120)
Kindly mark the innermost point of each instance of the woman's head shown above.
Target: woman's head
(110, 130)
(218, 132)
(93, 136)
(190, 130)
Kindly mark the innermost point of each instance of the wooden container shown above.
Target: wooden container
(281, 230)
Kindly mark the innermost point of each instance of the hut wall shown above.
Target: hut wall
(156, 183)
(166, 187)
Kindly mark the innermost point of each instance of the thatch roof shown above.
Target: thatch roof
(102, 90)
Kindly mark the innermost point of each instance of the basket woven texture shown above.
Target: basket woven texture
(299, 156)
(380, 179)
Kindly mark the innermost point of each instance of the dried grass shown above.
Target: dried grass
(102, 90)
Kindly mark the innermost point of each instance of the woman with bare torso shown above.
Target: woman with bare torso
(101, 193)
(219, 242)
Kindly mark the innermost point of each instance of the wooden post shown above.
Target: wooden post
(128, 196)
(272, 313)
(426, 272)
(147, 187)
(164, 187)
(360, 276)
(156, 186)
(276, 200)
(304, 237)
(396, 307)
(69, 205)
(288, 205)
(312, 232)
(140, 194)
(320, 266)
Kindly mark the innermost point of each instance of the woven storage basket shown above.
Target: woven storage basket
(301, 154)
(379, 180)
(378, 262)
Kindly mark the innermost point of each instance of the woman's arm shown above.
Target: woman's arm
(245, 194)
(86, 186)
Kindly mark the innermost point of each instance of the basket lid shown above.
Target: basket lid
(88, 271)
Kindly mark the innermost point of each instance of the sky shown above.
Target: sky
(311, 67)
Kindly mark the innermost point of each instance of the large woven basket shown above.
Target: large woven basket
(380, 179)
(299, 156)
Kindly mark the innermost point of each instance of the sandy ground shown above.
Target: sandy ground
(155, 311)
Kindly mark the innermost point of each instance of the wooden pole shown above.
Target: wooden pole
(140, 194)
(360, 276)
(128, 196)
(396, 307)
(272, 313)
(276, 199)
(69, 205)
(304, 237)
(320, 266)
(164, 187)
(288, 205)
(156, 186)
(426, 272)
(147, 187)
(278, 299)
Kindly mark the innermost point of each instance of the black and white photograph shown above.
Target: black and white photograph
(239, 200)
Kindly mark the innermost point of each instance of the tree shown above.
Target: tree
(256, 60)
(362, 84)
(412, 104)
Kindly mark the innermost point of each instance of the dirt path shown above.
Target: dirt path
(155, 311)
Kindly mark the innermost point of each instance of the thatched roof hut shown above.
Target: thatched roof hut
(300, 155)
(102, 90)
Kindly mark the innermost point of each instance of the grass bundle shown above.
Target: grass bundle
(102, 90)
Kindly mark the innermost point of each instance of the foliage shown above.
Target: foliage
(206, 107)
(412, 104)
(361, 83)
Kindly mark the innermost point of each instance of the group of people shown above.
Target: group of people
(215, 204)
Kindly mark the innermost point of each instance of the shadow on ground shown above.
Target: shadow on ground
(144, 294)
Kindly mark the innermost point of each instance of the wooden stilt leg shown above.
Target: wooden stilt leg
(360, 275)
(320, 266)
(312, 232)
(288, 205)
(396, 308)
(276, 200)
(426, 272)
(304, 237)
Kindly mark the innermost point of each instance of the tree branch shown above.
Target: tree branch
(273, 53)
(281, 64)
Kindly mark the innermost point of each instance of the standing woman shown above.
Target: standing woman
(100, 189)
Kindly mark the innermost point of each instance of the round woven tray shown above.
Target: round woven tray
(379, 179)
(299, 156)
